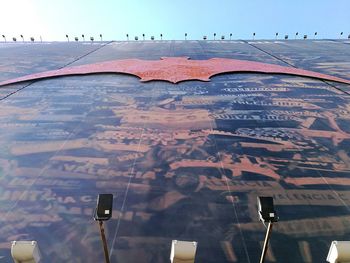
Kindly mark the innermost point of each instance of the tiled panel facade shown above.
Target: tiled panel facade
(184, 161)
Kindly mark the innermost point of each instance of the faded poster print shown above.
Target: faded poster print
(184, 161)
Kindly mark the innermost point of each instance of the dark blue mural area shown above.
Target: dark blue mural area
(184, 161)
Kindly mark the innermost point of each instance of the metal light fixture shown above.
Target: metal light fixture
(305, 36)
(339, 252)
(214, 35)
(103, 212)
(230, 36)
(76, 39)
(83, 37)
(32, 39)
(204, 37)
(152, 37)
(276, 35)
(127, 37)
(222, 37)
(25, 251)
(161, 36)
(267, 214)
(4, 37)
(143, 35)
(92, 39)
(315, 34)
(183, 251)
(14, 39)
(22, 38)
(67, 37)
(349, 36)
(286, 37)
(185, 36)
(296, 34)
(101, 37)
(253, 35)
(136, 38)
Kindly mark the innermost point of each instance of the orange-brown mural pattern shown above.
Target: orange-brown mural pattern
(184, 161)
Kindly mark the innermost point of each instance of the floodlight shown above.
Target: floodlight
(101, 37)
(214, 35)
(341, 33)
(127, 37)
(222, 37)
(296, 34)
(25, 252)
(22, 38)
(91, 39)
(204, 37)
(185, 36)
(136, 38)
(4, 37)
(339, 252)
(14, 39)
(266, 209)
(76, 38)
(276, 35)
(152, 37)
(161, 36)
(253, 35)
(305, 36)
(267, 213)
(230, 35)
(104, 207)
(183, 251)
(83, 37)
(103, 212)
(67, 37)
(315, 33)
(32, 39)
(143, 35)
(286, 37)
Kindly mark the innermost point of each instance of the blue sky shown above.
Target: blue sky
(53, 19)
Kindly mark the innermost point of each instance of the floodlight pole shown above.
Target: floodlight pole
(104, 241)
(266, 242)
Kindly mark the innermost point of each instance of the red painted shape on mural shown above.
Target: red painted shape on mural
(175, 69)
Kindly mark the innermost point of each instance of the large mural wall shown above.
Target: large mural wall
(184, 161)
